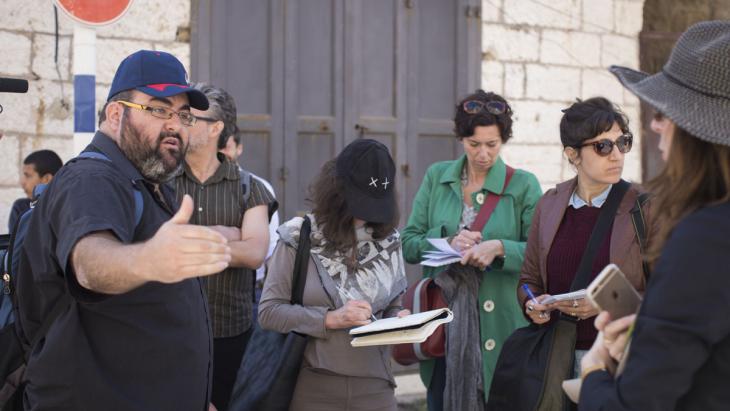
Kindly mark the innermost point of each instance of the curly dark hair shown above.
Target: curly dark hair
(584, 120)
(465, 123)
(326, 194)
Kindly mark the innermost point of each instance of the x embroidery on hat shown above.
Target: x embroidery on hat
(385, 183)
(373, 182)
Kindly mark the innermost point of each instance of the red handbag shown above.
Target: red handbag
(425, 295)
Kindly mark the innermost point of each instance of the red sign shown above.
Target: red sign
(94, 12)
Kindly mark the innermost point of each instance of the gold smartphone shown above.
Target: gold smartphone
(611, 291)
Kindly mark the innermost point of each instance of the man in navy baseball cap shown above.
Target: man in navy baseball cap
(158, 74)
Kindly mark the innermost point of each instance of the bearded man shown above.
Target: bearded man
(131, 328)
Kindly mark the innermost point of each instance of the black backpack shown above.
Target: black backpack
(14, 354)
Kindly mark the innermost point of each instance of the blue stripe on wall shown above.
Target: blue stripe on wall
(84, 103)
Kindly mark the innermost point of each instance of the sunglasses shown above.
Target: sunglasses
(492, 107)
(604, 147)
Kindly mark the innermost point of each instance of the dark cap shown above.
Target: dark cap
(368, 175)
(158, 74)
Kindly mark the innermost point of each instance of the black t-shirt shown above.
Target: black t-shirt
(147, 349)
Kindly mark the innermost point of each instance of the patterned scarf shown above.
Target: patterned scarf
(378, 276)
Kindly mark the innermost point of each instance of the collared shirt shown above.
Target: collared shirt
(597, 201)
(146, 349)
(219, 201)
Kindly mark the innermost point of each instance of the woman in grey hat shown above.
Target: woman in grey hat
(355, 273)
(680, 350)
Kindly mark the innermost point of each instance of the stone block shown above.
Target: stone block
(8, 195)
(9, 160)
(111, 52)
(601, 83)
(619, 50)
(514, 81)
(541, 160)
(493, 76)
(152, 20)
(20, 111)
(536, 122)
(562, 14)
(570, 48)
(510, 44)
(598, 16)
(629, 17)
(552, 83)
(55, 108)
(492, 10)
(33, 15)
(63, 146)
(16, 48)
(44, 50)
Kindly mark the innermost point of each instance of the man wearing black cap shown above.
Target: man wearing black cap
(109, 250)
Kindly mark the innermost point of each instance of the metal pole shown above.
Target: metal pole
(84, 69)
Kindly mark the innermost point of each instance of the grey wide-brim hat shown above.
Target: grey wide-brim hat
(693, 88)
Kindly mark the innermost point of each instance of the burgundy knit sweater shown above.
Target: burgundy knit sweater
(564, 257)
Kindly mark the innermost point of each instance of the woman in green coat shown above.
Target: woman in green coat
(447, 203)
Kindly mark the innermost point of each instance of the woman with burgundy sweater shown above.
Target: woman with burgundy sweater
(595, 137)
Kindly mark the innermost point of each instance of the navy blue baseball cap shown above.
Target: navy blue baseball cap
(158, 74)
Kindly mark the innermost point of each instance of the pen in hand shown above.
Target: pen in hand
(532, 298)
(349, 296)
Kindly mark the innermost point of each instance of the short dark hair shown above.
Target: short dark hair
(223, 108)
(465, 123)
(44, 162)
(329, 206)
(584, 120)
(122, 95)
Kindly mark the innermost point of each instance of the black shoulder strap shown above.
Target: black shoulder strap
(637, 217)
(605, 218)
(301, 263)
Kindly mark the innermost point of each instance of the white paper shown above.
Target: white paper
(575, 295)
(398, 322)
(443, 255)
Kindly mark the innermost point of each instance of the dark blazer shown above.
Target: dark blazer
(680, 354)
(624, 248)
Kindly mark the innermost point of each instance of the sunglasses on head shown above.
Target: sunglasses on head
(492, 107)
(604, 147)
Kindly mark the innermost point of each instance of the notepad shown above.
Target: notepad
(575, 295)
(414, 328)
(443, 255)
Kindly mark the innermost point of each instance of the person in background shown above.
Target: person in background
(679, 357)
(233, 149)
(446, 205)
(214, 183)
(355, 270)
(38, 168)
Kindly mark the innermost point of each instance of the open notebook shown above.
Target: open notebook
(414, 328)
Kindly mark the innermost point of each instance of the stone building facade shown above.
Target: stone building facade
(540, 54)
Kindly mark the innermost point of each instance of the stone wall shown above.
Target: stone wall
(43, 118)
(542, 55)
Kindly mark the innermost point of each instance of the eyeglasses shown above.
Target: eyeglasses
(604, 147)
(186, 117)
(207, 119)
(492, 107)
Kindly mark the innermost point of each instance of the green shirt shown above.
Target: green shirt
(436, 213)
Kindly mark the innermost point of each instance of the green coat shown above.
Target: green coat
(436, 214)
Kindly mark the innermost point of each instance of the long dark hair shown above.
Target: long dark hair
(330, 210)
(697, 174)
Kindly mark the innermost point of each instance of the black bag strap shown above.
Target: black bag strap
(301, 262)
(637, 217)
(605, 218)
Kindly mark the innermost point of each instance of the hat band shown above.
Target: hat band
(679, 82)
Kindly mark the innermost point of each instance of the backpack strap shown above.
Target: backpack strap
(637, 218)
(245, 178)
(138, 200)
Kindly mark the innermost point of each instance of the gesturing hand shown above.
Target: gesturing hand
(179, 250)
(353, 314)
